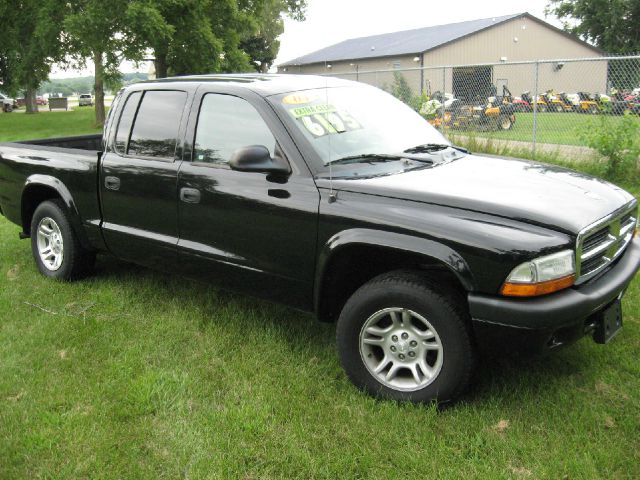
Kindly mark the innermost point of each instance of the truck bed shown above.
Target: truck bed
(68, 166)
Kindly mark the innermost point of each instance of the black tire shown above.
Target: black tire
(559, 109)
(504, 122)
(76, 261)
(447, 316)
(542, 108)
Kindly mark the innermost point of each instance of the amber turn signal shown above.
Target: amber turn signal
(536, 289)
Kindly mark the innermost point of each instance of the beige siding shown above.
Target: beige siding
(515, 40)
(356, 70)
(534, 42)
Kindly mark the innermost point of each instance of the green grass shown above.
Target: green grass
(59, 123)
(554, 128)
(137, 374)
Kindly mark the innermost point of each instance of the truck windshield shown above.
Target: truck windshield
(347, 122)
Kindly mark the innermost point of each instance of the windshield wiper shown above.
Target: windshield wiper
(368, 157)
(433, 147)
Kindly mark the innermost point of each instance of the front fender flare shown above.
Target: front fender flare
(430, 249)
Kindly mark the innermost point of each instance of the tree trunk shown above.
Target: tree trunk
(160, 64)
(30, 100)
(99, 88)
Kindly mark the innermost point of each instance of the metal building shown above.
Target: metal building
(506, 39)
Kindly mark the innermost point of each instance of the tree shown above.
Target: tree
(263, 45)
(108, 31)
(31, 43)
(220, 35)
(205, 37)
(612, 25)
(189, 45)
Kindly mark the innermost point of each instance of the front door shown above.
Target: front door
(247, 231)
(138, 181)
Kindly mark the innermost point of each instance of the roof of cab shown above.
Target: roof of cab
(264, 84)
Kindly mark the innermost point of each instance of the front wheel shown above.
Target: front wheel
(54, 244)
(401, 338)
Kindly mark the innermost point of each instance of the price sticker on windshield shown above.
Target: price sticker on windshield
(324, 119)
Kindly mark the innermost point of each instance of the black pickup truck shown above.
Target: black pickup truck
(334, 197)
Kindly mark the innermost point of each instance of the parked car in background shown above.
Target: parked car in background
(8, 104)
(21, 102)
(85, 100)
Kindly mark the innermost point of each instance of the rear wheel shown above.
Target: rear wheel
(593, 110)
(401, 338)
(559, 109)
(55, 246)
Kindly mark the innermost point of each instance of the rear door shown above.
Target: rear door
(138, 181)
(248, 231)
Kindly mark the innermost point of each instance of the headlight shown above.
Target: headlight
(541, 276)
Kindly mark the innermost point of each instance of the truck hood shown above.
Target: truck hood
(527, 191)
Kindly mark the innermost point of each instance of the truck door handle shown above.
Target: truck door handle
(112, 183)
(190, 195)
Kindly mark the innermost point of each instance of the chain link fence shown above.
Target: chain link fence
(545, 105)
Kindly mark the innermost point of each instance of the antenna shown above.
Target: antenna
(332, 195)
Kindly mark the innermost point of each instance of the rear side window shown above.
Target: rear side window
(155, 130)
(126, 120)
(225, 124)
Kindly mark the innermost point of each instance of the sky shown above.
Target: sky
(332, 21)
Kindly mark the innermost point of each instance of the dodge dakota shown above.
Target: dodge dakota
(334, 197)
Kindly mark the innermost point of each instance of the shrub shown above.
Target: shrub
(618, 142)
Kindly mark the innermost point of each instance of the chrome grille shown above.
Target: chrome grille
(602, 242)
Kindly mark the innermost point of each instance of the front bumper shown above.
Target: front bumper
(538, 324)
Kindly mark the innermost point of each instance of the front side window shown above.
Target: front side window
(155, 130)
(225, 124)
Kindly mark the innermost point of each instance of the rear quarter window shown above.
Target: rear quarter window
(126, 120)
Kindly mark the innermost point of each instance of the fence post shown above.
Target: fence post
(534, 99)
(444, 88)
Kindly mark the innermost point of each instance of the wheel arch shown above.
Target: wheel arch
(351, 258)
(40, 188)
